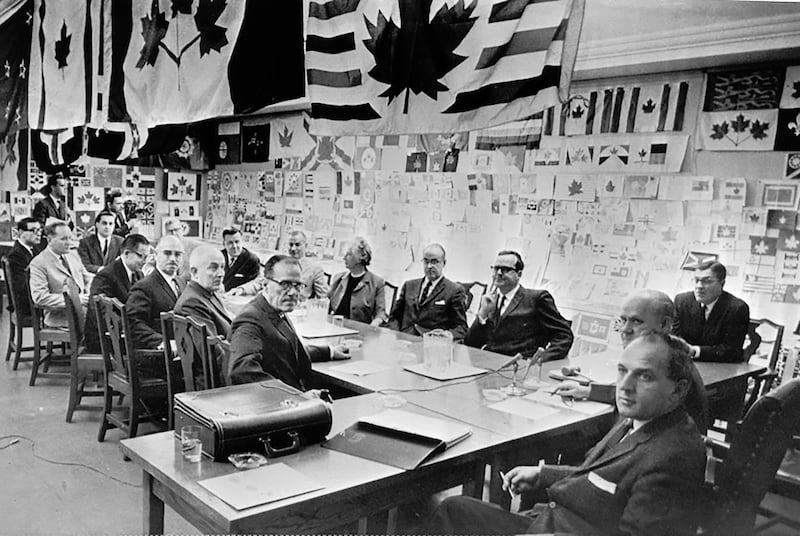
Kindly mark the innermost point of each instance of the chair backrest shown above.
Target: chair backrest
(390, 294)
(766, 332)
(37, 313)
(474, 292)
(9, 284)
(752, 340)
(220, 349)
(327, 277)
(755, 454)
(114, 330)
(192, 348)
(75, 314)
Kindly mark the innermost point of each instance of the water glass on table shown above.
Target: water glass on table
(191, 445)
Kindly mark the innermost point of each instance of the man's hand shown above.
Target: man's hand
(236, 291)
(487, 307)
(340, 352)
(695, 352)
(521, 478)
(571, 389)
(84, 300)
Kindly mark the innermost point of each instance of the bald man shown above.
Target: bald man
(156, 293)
(200, 300)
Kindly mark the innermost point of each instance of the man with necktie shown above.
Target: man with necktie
(241, 265)
(101, 248)
(116, 206)
(115, 281)
(51, 268)
(156, 293)
(713, 321)
(264, 343)
(644, 477)
(29, 234)
(53, 205)
(431, 302)
(514, 319)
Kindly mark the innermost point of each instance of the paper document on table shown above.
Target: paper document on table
(359, 368)
(587, 407)
(524, 408)
(413, 423)
(317, 331)
(245, 489)
(454, 371)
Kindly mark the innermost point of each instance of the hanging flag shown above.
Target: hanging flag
(14, 161)
(15, 48)
(255, 143)
(60, 87)
(428, 66)
(738, 130)
(172, 48)
(289, 137)
(790, 96)
(228, 148)
(787, 131)
(743, 89)
(781, 219)
(53, 149)
(792, 168)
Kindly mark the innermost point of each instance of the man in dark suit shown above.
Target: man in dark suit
(710, 319)
(264, 344)
(200, 300)
(515, 319)
(644, 477)
(114, 281)
(156, 293)
(26, 246)
(53, 205)
(116, 206)
(431, 302)
(241, 264)
(101, 248)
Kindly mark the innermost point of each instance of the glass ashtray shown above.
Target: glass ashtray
(247, 460)
(494, 395)
(392, 401)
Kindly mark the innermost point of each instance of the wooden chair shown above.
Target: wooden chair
(146, 396)
(327, 277)
(742, 472)
(757, 335)
(47, 337)
(473, 289)
(390, 294)
(221, 348)
(17, 320)
(82, 365)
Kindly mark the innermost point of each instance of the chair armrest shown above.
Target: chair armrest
(716, 448)
(769, 374)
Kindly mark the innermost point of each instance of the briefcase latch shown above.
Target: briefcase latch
(281, 443)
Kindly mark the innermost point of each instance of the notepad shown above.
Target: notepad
(270, 483)
(398, 438)
(359, 368)
(587, 407)
(524, 408)
(308, 330)
(453, 372)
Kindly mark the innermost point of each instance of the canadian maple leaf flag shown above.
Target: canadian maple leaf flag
(181, 61)
(414, 66)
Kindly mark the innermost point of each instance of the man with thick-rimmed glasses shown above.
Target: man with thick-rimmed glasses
(264, 344)
(25, 248)
(513, 319)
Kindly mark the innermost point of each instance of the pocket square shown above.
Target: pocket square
(440, 302)
(602, 483)
(238, 275)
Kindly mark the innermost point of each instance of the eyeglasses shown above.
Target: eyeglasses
(705, 281)
(288, 285)
(502, 269)
(434, 262)
(33, 230)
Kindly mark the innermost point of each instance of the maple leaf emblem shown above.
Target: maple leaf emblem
(740, 124)
(759, 130)
(181, 6)
(791, 242)
(610, 186)
(62, 46)
(796, 92)
(154, 28)
(719, 131)
(575, 187)
(761, 248)
(212, 36)
(285, 137)
(416, 55)
(85, 219)
(577, 113)
(648, 106)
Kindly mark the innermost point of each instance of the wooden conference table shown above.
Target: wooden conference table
(354, 488)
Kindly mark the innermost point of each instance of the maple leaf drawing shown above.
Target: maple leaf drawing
(575, 187)
(761, 248)
(154, 28)
(759, 130)
(416, 55)
(740, 124)
(796, 92)
(173, 190)
(577, 113)
(610, 186)
(181, 6)
(719, 131)
(648, 106)
(285, 137)
(62, 46)
(791, 243)
(212, 36)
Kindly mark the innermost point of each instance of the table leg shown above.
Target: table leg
(153, 508)
(474, 487)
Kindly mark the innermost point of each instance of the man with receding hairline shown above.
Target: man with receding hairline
(199, 299)
(313, 276)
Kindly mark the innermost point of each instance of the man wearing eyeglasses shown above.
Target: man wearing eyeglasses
(713, 321)
(512, 319)
(115, 281)
(264, 343)
(432, 301)
(26, 246)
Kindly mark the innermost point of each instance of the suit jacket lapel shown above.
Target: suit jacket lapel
(434, 292)
(286, 331)
(167, 286)
(513, 304)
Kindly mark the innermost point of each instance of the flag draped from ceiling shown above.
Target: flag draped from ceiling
(180, 62)
(15, 47)
(413, 66)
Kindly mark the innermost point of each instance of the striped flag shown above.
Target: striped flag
(15, 49)
(413, 66)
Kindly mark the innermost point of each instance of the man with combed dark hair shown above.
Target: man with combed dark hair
(54, 204)
(713, 321)
(26, 246)
(432, 301)
(115, 281)
(241, 264)
(644, 477)
(116, 206)
(513, 319)
(101, 248)
(264, 343)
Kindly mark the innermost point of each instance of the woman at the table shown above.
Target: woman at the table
(357, 294)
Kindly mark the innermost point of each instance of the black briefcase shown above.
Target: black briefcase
(267, 416)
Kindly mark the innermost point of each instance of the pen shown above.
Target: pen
(503, 476)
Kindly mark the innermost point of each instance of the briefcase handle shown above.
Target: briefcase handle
(273, 451)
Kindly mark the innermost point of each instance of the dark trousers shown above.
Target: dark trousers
(465, 515)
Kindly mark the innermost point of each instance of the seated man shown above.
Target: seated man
(116, 206)
(431, 302)
(101, 248)
(154, 294)
(241, 264)
(518, 320)
(644, 477)
(264, 343)
(51, 268)
(29, 234)
(114, 281)
(710, 319)
(200, 300)
(313, 276)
